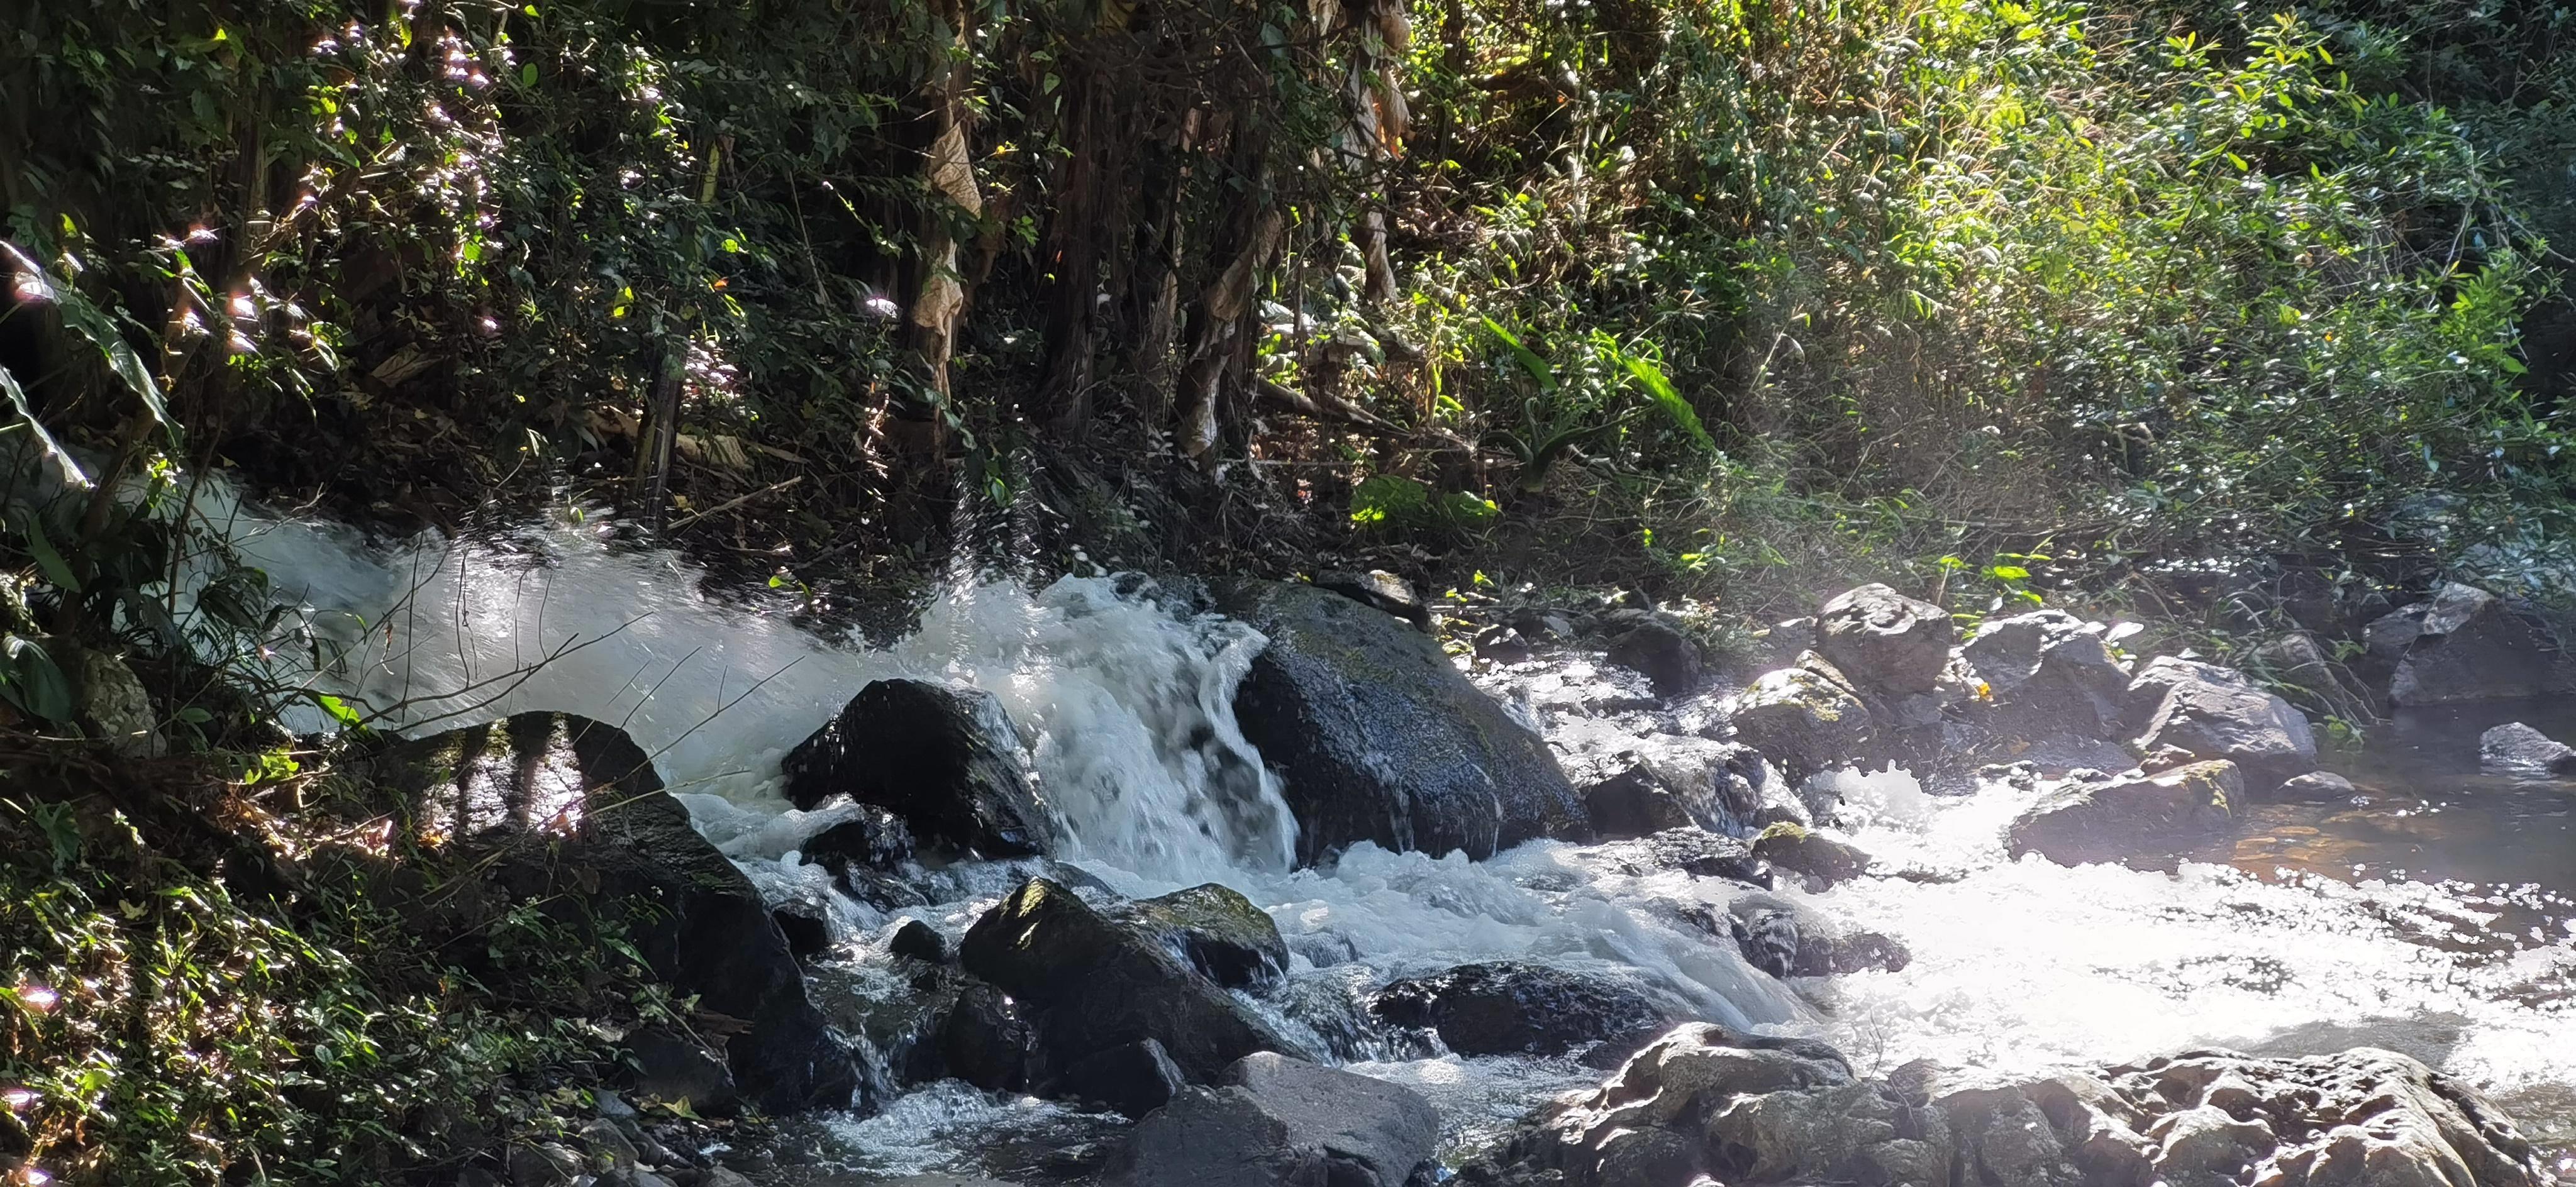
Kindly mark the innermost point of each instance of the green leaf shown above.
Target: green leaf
(34, 682)
(340, 711)
(53, 450)
(90, 322)
(2010, 572)
(1536, 366)
(528, 75)
(48, 559)
(1660, 390)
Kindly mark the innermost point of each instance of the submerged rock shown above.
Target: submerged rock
(1785, 938)
(2469, 645)
(2108, 819)
(1511, 1008)
(2216, 713)
(2519, 750)
(568, 814)
(1801, 719)
(1885, 641)
(1091, 985)
(1378, 737)
(1217, 930)
(945, 760)
(1706, 1101)
(1279, 1122)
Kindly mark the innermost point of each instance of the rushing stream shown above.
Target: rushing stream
(2433, 915)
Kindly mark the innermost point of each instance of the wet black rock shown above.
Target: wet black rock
(2469, 645)
(1692, 850)
(1217, 930)
(1667, 781)
(804, 921)
(1090, 984)
(1511, 1008)
(2216, 713)
(1381, 589)
(984, 1039)
(2520, 751)
(1805, 718)
(875, 838)
(1132, 1078)
(945, 760)
(1279, 1122)
(1657, 646)
(1378, 737)
(2108, 819)
(1785, 938)
(1820, 856)
(567, 814)
(677, 1069)
(1886, 642)
(918, 941)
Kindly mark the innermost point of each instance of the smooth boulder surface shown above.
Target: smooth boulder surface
(2469, 645)
(1217, 930)
(2050, 672)
(1885, 641)
(1667, 781)
(1705, 1101)
(2216, 713)
(1377, 736)
(2111, 818)
(1802, 719)
(2520, 751)
(1511, 1008)
(946, 760)
(1090, 984)
(568, 813)
(2316, 787)
(1381, 589)
(1279, 1122)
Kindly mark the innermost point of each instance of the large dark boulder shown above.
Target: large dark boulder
(1214, 928)
(2216, 713)
(1656, 646)
(1378, 737)
(2469, 645)
(2111, 818)
(1886, 642)
(1278, 1122)
(1820, 856)
(567, 814)
(1511, 1008)
(1090, 984)
(946, 760)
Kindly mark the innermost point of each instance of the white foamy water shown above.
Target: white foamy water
(2027, 966)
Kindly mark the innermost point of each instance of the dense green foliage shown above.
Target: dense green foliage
(159, 1025)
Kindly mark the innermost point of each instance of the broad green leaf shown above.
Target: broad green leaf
(49, 559)
(1536, 366)
(34, 681)
(1660, 390)
(72, 475)
(90, 322)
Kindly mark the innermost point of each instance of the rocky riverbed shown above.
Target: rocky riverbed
(1127, 882)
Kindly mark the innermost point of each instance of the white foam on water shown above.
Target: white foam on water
(2027, 966)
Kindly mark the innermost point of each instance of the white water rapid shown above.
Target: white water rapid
(2017, 966)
